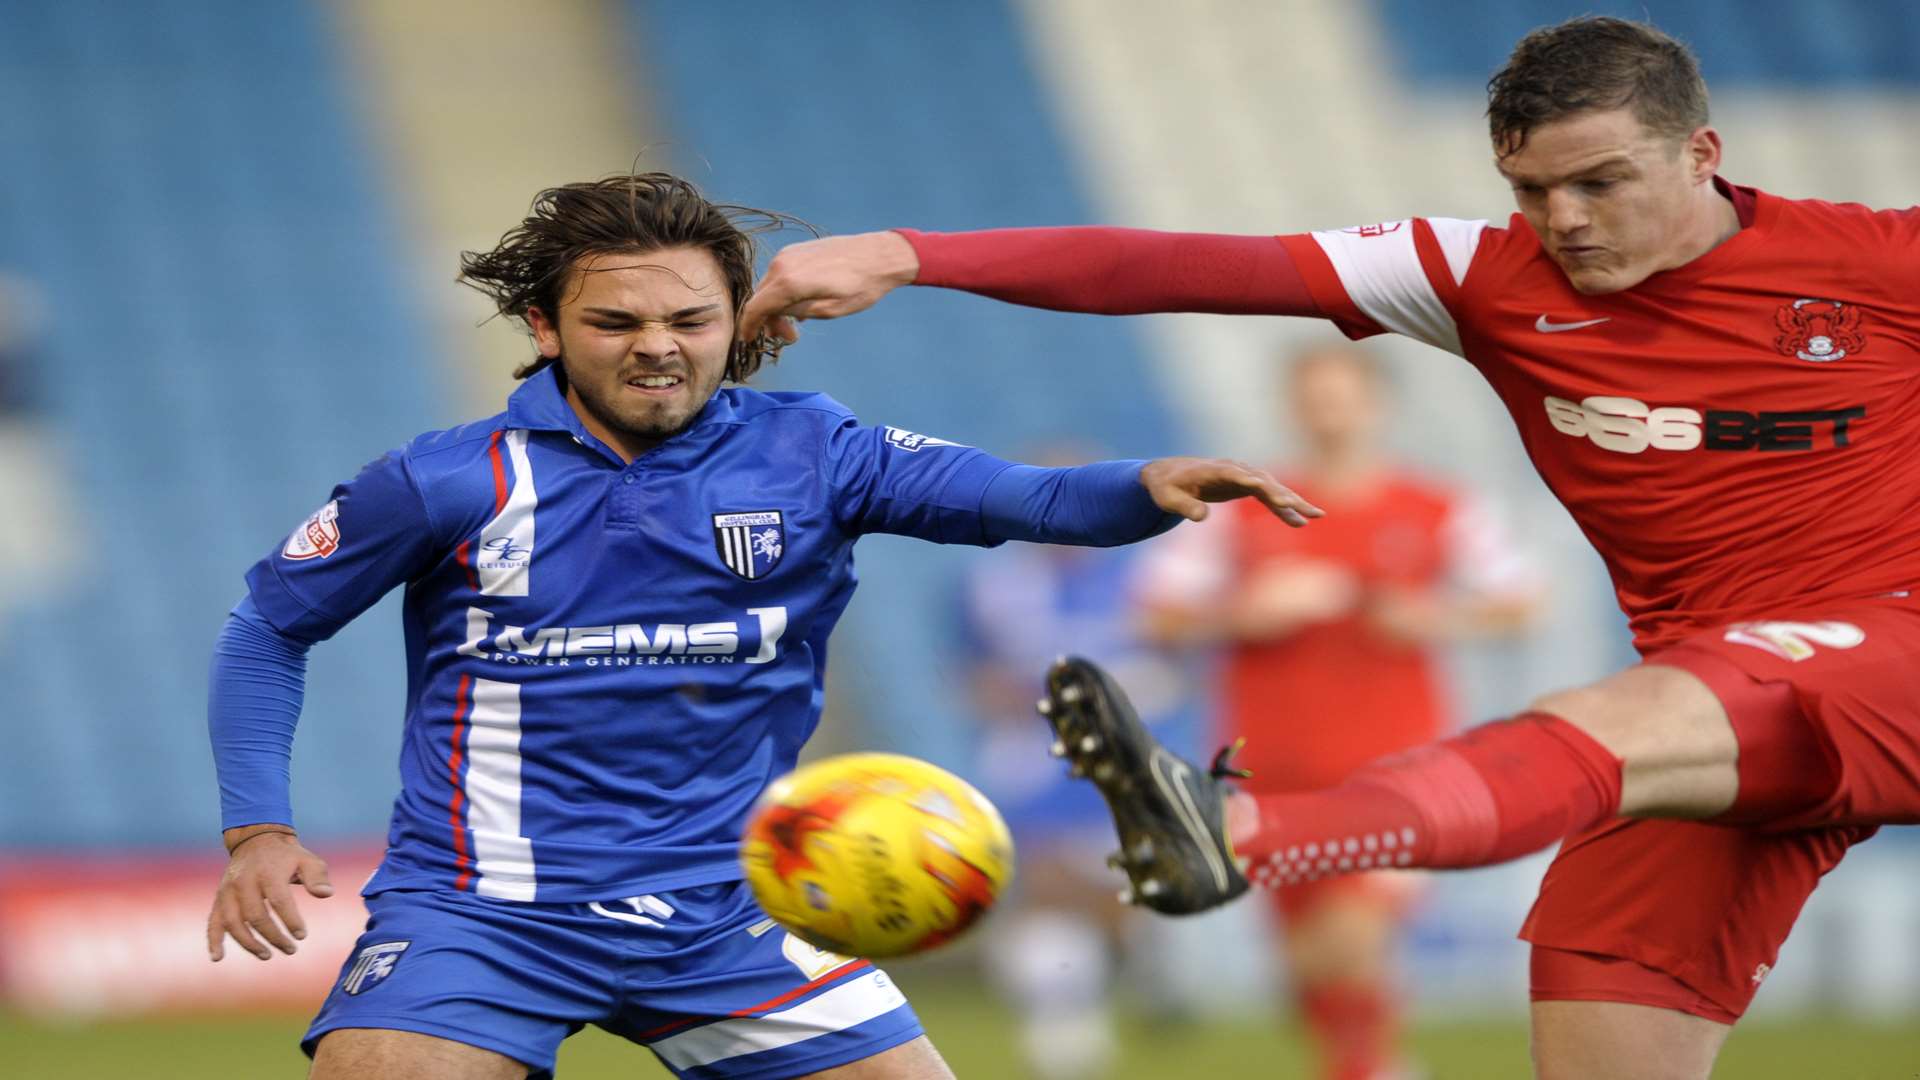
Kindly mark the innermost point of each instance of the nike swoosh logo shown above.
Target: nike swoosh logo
(1169, 774)
(1541, 324)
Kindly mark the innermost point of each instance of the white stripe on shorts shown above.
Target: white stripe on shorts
(850, 1004)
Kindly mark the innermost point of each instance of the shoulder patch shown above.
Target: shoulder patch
(911, 442)
(317, 537)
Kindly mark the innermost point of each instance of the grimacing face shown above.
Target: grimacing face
(643, 338)
(1614, 203)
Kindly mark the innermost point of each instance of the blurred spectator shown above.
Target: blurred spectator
(1330, 634)
(1052, 949)
(36, 547)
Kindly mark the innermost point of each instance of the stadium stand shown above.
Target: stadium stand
(233, 338)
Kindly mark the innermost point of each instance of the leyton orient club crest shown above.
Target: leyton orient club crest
(1818, 330)
(750, 544)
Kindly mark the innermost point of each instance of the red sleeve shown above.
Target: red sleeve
(1110, 271)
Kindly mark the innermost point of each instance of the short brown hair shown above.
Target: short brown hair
(629, 213)
(1593, 63)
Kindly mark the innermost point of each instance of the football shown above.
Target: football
(875, 855)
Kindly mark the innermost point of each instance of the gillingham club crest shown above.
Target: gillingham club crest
(372, 966)
(750, 544)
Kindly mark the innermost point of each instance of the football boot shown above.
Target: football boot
(1170, 814)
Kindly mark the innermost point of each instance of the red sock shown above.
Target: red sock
(1354, 1026)
(1490, 794)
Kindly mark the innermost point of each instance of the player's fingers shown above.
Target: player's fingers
(253, 912)
(216, 934)
(821, 307)
(1177, 499)
(312, 872)
(1286, 504)
(234, 923)
(769, 299)
(280, 902)
(783, 329)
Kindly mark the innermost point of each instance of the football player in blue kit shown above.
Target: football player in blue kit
(618, 598)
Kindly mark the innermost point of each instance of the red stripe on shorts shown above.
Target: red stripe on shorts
(848, 968)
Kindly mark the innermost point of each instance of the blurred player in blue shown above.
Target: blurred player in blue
(1052, 950)
(618, 598)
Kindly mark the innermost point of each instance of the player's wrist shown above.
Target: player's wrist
(904, 259)
(240, 834)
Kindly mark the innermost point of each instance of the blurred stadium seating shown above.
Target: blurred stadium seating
(243, 220)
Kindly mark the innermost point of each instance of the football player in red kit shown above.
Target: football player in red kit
(1342, 620)
(1723, 387)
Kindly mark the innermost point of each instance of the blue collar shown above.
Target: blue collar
(541, 405)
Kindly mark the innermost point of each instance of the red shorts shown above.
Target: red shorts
(1707, 906)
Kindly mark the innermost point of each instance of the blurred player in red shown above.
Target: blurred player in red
(1720, 385)
(1339, 620)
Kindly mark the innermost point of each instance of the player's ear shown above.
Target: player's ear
(546, 336)
(1703, 154)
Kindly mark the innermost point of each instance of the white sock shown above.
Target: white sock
(1055, 968)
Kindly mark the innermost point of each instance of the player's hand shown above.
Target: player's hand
(254, 900)
(1278, 600)
(1412, 616)
(1185, 485)
(825, 279)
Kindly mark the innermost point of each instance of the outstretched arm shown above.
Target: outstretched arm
(1123, 502)
(1095, 269)
(888, 480)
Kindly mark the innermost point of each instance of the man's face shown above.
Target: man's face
(1336, 401)
(643, 339)
(1612, 202)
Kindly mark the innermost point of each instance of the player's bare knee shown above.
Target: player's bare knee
(1649, 716)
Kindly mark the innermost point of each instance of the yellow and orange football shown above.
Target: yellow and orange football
(875, 855)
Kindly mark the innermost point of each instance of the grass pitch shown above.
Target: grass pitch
(974, 1033)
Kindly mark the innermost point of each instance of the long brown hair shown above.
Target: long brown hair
(1593, 63)
(630, 213)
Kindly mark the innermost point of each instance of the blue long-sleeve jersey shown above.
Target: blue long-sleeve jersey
(608, 662)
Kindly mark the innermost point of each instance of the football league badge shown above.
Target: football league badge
(912, 441)
(317, 537)
(750, 544)
(372, 966)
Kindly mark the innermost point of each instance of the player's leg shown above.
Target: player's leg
(717, 990)
(1651, 938)
(1337, 941)
(1050, 951)
(1654, 739)
(453, 985)
(376, 1054)
(1611, 1040)
(914, 1060)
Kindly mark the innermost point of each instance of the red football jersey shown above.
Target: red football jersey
(1321, 700)
(1736, 436)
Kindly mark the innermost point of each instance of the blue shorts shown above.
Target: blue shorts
(700, 976)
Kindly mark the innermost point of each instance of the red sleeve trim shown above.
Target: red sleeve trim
(1329, 294)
